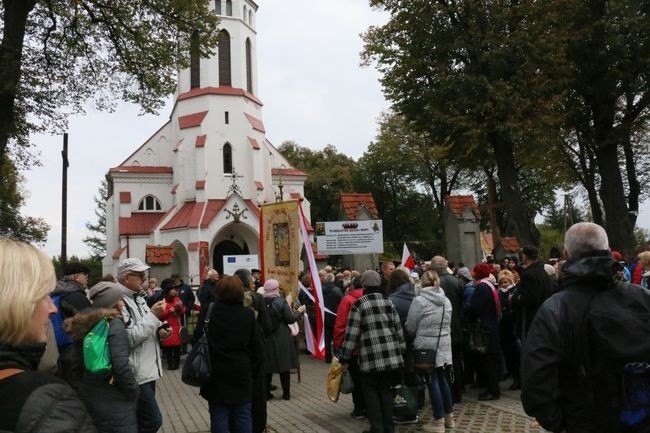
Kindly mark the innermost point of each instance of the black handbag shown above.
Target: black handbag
(478, 338)
(198, 369)
(425, 359)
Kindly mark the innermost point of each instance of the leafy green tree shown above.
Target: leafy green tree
(55, 56)
(94, 263)
(96, 241)
(465, 73)
(330, 174)
(12, 223)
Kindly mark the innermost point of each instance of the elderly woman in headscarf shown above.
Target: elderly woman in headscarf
(110, 396)
(279, 353)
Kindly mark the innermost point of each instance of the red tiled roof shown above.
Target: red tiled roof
(159, 255)
(125, 197)
(200, 184)
(187, 216)
(510, 244)
(118, 252)
(211, 211)
(259, 185)
(458, 203)
(256, 123)
(139, 223)
(200, 140)
(191, 120)
(222, 90)
(140, 169)
(288, 172)
(351, 202)
(254, 143)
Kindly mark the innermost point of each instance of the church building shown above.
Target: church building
(192, 192)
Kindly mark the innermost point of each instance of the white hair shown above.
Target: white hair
(584, 238)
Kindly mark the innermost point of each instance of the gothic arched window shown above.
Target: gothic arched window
(227, 158)
(195, 61)
(224, 59)
(249, 66)
(229, 8)
(217, 7)
(149, 203)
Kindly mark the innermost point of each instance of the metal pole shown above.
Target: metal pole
(64, 201)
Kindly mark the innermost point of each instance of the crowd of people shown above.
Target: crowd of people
(377, 323)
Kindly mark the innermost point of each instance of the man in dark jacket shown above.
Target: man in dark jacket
(552, 388)
(453, 289)
(534, 287)
(72, 291)
(332, 296)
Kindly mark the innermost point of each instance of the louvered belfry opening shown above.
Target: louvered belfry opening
(249, 66)
(225, 78)
(195, 61)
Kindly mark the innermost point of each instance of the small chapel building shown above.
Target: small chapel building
(192, 192)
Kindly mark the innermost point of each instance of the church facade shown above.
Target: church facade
(192, 192)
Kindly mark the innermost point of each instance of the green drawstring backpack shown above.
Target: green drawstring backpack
(97, 357)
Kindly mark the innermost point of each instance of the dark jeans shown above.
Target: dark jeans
(148, 413)
(357, 394)
(457, 373)
(230, 418)
(378, 396)
(329, 335)
(440, 393)
(491, 371)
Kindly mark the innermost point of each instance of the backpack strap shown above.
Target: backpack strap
(8, 372)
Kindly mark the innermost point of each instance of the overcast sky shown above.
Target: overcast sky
(313, 89)
(310, 81)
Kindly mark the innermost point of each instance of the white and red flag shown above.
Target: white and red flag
(407, 260)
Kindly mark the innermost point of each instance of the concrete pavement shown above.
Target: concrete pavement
(310, 411)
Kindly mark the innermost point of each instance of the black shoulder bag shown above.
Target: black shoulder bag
(198, 369)
(425, 359)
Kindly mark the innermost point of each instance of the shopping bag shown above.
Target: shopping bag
(405, 400)
(347, 385)
(334, 380)
(97, 356)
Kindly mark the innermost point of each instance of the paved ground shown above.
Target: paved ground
(310, 411)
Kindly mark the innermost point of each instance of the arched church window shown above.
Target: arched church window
(149, 203)
(224, 59)
(243, 15)
(229, 8)
(195, 61)
(250, 17)
(217, 7)
(227, 158)
(249, 66)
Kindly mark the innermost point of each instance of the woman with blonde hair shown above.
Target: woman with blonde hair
(509, 346)
(39, 401)
(429, 320)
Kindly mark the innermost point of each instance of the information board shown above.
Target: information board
(350, 237)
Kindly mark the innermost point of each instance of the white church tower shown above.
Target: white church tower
(191, 193)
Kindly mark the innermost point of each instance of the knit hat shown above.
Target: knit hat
(371, 278)
(105, 294)
(482, 270)
(271, 288)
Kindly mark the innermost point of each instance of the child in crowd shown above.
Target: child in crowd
(174, 311)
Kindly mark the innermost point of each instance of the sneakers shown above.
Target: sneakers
(405, 420)
(449, 421)
(435, 426)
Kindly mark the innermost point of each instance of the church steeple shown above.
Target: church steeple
(234, 63)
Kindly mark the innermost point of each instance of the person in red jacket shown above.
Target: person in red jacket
(354, 293)
(174, 311)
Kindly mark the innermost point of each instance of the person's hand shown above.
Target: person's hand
(164, 334)
(158, 308)
(302, 309)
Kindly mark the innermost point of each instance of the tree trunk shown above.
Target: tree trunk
(518, 213)
(11, 54)
(634, 188)
(617, 222)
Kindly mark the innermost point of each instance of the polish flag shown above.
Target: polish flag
(407, 260)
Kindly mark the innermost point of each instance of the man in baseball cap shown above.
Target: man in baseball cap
(143, 327)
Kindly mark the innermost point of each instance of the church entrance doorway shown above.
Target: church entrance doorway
(226, 248)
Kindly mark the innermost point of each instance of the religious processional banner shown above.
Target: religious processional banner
(280, 244)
